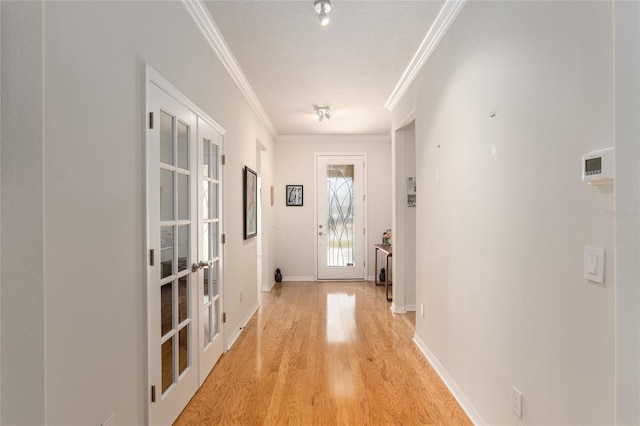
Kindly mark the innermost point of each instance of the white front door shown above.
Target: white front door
(340, 217)
(172, 226)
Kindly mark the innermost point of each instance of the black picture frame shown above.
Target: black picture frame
(250, 202)
(294, 195)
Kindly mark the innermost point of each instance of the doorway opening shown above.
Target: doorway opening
(405, 204)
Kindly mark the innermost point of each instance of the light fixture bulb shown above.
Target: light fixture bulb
(322, 112)
(322, 8)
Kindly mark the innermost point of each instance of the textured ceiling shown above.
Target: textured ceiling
(352, 65)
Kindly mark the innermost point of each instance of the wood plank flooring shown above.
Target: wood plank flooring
(324, 353)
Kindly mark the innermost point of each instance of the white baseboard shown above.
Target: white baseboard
(449, 382)
(298, 278)
(397, 309)
(267, 288)
(236, 333)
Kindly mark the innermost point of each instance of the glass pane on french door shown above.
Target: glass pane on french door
(210, 239)
(210, 247)
(175, 249)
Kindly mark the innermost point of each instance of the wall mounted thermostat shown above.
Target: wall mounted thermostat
(598, 167)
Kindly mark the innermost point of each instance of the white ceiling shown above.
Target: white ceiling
(352, 65)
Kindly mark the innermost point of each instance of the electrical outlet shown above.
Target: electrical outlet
(516, 402)
(422, 310)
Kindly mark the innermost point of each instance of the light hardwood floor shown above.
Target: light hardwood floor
(321, 354)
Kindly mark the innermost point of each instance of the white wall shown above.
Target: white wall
(22, 391)
(501, 238)
(94, 63)
(268, 219)
(627, 204)
(295, 230)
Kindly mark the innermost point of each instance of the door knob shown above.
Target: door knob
(320, 233)
(196, 266)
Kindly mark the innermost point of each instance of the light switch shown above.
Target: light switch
(594, 264)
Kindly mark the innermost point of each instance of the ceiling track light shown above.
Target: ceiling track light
(322, 8)
(322, 112)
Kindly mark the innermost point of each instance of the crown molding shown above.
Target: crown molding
(441, 24)
(333, 138)
(212, 34)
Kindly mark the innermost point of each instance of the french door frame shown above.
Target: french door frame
(154, 78)
(365, 248)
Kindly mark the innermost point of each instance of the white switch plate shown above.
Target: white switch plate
(516, 402)
(594, 264)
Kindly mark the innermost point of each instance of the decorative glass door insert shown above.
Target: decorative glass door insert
(340, 201)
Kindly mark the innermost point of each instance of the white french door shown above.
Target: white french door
(210, 247)
(340, 189)
(172, 238)
(184, 269)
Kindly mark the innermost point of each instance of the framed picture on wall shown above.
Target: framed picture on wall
(411, 191)
(250, 202)
(294, 195)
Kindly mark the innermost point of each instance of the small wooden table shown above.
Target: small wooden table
(388, 252)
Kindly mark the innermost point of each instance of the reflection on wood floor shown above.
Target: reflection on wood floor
(324, 353)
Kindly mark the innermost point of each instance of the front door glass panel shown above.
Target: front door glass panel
(341, 245)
